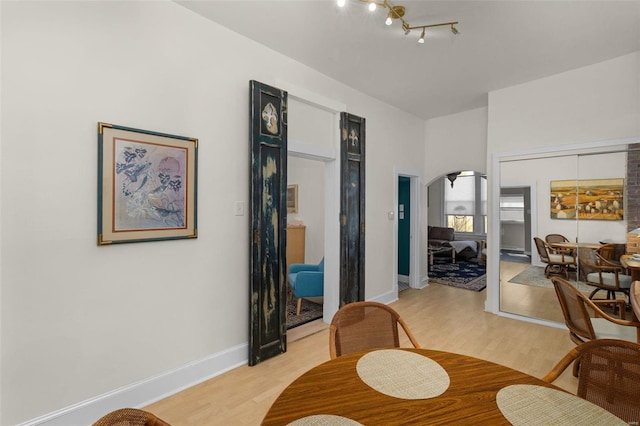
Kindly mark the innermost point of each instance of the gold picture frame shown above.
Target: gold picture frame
(292, 199)
(147, 185)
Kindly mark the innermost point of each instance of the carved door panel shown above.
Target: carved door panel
(268, 139)
(352, 208)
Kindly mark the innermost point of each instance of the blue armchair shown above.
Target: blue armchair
(306, 280)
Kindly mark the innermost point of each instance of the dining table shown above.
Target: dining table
(632, 264)
(424, 387)
(634, 295)
(568, 245)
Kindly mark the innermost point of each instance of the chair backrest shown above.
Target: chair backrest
(130, 417)
(556, 238)
(360, 326)
(607, 252)
(608, 375)
(542, 249)
(574, 309)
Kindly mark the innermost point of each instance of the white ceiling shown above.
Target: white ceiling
(501, 43)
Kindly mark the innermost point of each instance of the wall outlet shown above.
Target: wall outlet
(239, 208)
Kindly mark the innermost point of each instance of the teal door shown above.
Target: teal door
(404, 224)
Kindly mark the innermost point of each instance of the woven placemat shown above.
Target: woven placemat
(324, 420)
(402, 374)
(538, 405)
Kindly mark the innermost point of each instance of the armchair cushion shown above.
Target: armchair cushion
(307, 280)
(609, 278)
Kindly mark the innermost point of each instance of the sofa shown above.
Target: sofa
(439, 236)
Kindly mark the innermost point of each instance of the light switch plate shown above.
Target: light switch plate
(239, 208)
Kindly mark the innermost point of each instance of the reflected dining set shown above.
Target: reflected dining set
(372, 380)
(594, 263)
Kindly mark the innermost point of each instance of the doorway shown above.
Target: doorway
(407, 253)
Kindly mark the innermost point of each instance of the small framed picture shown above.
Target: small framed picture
(147, 185)
(292, 199)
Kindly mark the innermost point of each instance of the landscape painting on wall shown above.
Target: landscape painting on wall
(593, 199)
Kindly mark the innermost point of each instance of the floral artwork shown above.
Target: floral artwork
(150, 186)
(147, 185)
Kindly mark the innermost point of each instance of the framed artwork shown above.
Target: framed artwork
(590, 199)
(147, 185)
(292, 199)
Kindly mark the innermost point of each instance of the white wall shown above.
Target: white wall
(456, 142)
(596, 103)
(79, 320)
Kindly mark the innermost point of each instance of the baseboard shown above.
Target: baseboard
(148, 391)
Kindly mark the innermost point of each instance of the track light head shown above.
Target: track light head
(341, 3)
(389, 21)
(454, 30)
(372, 6)
(421, 39)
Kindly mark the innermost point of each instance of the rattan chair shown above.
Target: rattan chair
(557, 263)
(130, 417)
(609, 375)
(604, 274)
(582, 327)
(558, 238)
(360, 326)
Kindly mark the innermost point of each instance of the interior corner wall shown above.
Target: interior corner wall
(80, 321)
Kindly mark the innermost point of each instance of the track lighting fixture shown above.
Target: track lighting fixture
(397, 12)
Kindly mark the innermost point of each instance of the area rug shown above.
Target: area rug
(468, 275)
(534, 276)
(310, 311)
(514, 257)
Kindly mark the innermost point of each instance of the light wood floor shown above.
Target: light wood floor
(534, 302)
(441, 317)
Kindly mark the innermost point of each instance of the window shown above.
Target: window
(465, 203)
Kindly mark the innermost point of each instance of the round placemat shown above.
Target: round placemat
(538, 405)
(324, 420)
(403, 374)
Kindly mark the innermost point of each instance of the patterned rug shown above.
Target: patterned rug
(309, 311)
(534, 276)
(468, 275)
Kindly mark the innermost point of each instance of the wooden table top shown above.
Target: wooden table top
(634, 295)
(570, 245)
(628, 261)
(335, 388)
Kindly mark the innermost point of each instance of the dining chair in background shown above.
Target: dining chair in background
(130, 417)
(557, 262)
(558, 238)
(360, 326)
(609, 375)
(582, 327)
(604, 274)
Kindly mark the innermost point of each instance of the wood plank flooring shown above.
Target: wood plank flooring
(441, 317)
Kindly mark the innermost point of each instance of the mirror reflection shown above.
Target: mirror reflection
(565, 215)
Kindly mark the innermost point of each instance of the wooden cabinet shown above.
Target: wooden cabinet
(295, 245)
